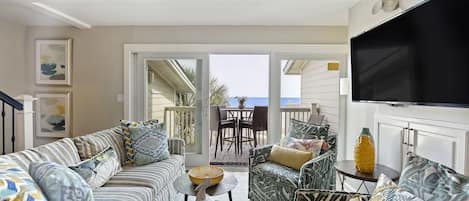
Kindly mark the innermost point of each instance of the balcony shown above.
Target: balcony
(179, 122)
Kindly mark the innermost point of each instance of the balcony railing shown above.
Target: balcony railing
(179, 121)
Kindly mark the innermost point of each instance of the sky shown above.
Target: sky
(248, 75)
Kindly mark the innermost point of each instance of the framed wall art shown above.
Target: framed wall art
(53, 115)
(53, 62)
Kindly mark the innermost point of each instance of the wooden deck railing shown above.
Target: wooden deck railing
(179, 121)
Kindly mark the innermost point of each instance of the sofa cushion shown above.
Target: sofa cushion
(91, 144)
(387, 190)
(123, 194)
(26, 157)
(98, 170)
(145, 142)
(154, 175)
(63, 152)
(420, 177)
(17, 184)
(59, 183)
(452, 186)
(271, 181)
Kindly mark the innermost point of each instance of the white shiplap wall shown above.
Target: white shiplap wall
(318, 85)
(164, 97)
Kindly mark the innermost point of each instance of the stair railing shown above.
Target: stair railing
(15, 105)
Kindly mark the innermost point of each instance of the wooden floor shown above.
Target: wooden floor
(229, 157)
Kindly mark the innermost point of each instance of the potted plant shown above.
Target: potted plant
(241, 101)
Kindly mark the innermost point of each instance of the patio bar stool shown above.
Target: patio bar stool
(223, 123)
(258, 123)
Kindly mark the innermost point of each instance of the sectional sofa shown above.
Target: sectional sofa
(151, 182)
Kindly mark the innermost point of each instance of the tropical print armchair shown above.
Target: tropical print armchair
(327, 195)
(273, 182)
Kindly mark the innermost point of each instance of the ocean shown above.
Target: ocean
(263, 101)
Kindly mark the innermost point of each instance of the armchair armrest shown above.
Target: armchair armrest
(319, 172)
(259, 155)
(177, 146)
(326, 195)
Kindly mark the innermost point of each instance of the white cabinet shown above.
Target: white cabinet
(442, 142)
(388, 141)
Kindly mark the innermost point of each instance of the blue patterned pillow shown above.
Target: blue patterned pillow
(387, 190)
(60, 183)
(100, 168)
(16, 184)
(452, 186)
(145, 142)
(420, 177)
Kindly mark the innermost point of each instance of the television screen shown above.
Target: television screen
(420, 57)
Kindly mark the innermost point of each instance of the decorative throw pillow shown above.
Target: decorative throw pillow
(452, 186)
(16, 184)
(145, 142)
(60, 183)
(99, 169)
(309, 145)
(420, 177)
(90, 145)
(304, 130)
(387, 190)
(289, 157)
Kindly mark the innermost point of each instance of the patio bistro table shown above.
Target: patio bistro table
(234, 110)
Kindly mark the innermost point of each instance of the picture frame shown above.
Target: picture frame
(53, 115)
(54, 62)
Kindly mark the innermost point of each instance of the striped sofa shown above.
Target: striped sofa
(151, 182)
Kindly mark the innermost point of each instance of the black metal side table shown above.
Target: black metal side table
(347, 168)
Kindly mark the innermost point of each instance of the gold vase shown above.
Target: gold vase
(365, 152)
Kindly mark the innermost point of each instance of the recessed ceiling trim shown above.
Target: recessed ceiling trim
(62, 16)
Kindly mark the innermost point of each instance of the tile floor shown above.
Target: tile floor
(240, 193)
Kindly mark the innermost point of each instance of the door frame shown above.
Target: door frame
(276, 52)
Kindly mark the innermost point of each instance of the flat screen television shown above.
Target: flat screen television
(419, 57)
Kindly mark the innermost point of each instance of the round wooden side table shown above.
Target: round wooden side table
(347, 168)
(184, 185)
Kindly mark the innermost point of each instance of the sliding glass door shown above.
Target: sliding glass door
(173, 90)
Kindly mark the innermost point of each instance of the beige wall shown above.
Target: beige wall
(318, 85)
(12, 72)
(12, 59)
(98, 59)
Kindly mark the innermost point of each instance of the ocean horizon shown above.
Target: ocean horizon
(263, 101)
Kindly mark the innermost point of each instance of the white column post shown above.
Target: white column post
(24, 124)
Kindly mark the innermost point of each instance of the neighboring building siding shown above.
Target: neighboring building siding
(165, 96)
(318, 85)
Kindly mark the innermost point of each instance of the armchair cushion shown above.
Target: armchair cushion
(311, 145)
(325, 195)
(305, 130)
(264, 175)
(290, 157)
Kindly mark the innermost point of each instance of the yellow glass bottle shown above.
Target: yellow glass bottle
(365, 152)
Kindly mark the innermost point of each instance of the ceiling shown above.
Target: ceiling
(182, 12)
